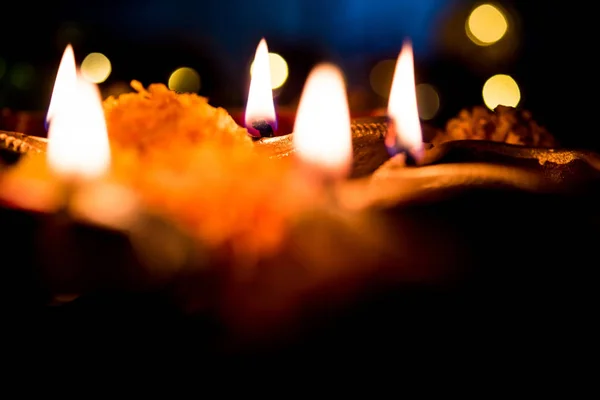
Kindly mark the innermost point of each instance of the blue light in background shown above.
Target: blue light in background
(343, 26)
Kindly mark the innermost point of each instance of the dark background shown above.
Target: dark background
(538, 315)
(548, 52)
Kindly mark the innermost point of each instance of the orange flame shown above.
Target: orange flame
(322, 135)
(77, 136)
(260, 105)
(64, 82)
(405, 129)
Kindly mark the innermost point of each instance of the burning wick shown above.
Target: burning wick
(263, 128)
(412, 156)
(260, 111)
(404, 137)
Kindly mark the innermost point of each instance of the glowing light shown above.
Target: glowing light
(279, 70)
(96, 67)
(428, 101)
(322, 134)
(185, 80)
(64, 83)
(260, 104)
(501, 90)
(104, 203)
(77, 138)
(381, 77)
(402, 105)
(486, 25)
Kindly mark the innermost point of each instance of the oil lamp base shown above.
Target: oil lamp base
(468, 266)
(484, 269)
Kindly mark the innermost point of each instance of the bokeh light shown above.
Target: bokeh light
(428, 101)
(501, 90)
(279, 70)
(381, 77)
(486, 25)
(96, 67)
(185, 80)
(22, 76)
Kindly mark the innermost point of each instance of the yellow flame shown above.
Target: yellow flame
(260, 96)
(77, 138)
(322, 134)
(64, 83)
(402, 105)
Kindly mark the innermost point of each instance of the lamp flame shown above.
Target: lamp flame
(77, 136)
(405, 131)
(322, 135)
(260, 105)
(64, 82)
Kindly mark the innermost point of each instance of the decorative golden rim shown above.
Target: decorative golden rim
(21, 143)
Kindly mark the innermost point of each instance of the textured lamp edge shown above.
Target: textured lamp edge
(22, 143)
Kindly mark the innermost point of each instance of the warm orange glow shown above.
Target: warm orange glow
(260, 96)
(402, 106)
(64, 82)
(322, 134)
(77, 138)
(104, 203)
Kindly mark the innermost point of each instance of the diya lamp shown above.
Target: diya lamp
(77, 152)
(396, 222)
(88, 230)
(404, 134)
(387, 145)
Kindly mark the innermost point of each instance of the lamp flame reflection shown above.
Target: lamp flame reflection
(322, 135)
(405, 132)
(260, 105)
(78, 144)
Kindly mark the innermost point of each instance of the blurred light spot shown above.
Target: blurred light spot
(428, 101)
(279, 70)
(21, 76)
(501, 90)
(486, 25)
(381, 77)
(185, 80)
(96, 67)
(2, 67)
